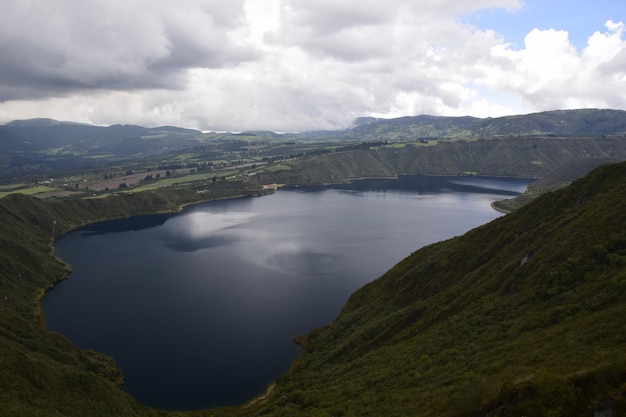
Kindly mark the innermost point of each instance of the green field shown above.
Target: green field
(25, 189)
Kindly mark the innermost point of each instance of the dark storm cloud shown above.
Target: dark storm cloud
(58, 47)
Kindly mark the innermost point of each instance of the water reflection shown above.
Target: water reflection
(136, 223)
(201, 224)
(425, 184)
(202, 230)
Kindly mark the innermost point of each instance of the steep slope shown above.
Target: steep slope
(523, 316)
(511, 156)
(558, 178)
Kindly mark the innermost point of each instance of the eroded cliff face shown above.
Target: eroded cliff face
(520, 157)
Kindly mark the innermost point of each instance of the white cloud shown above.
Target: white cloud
(288, 65)
(550, 74)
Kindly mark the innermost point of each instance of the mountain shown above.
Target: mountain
(523, 316)
(46, 139)
(47, 134)
(39, 145)
(584, 122)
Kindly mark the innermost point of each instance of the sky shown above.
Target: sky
(301, 65)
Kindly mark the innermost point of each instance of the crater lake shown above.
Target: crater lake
(199, 308)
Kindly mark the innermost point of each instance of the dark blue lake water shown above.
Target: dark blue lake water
(199, 308)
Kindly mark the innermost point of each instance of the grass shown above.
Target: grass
(160, 183)
(186, 180)
(276, 167)
(10, 187)
(27, 190)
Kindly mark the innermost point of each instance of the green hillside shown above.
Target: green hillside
(42, 373)
(520, 317)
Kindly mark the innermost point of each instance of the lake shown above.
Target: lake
(199, 308)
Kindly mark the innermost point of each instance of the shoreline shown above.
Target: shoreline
(173, 211)
(301, 340)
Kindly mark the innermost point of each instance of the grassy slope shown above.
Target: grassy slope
(556, 179)
(520, 317)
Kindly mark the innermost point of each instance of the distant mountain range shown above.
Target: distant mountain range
(29, 145)
(585, 122)
(43, 134)
(32, 145)
(36, 135)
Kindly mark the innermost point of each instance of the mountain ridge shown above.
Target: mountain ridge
(580, 122)
(37, 145)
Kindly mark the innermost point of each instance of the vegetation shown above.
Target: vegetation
(520, 317)
(556, 179)
(43, 374)
(507, 157)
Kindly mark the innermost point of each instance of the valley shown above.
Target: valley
(522, 316)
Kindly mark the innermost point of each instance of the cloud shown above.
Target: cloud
(550, 74)
(55, 47)
(288, 65)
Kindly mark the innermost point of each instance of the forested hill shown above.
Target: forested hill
(584, 122)
(521, 317)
